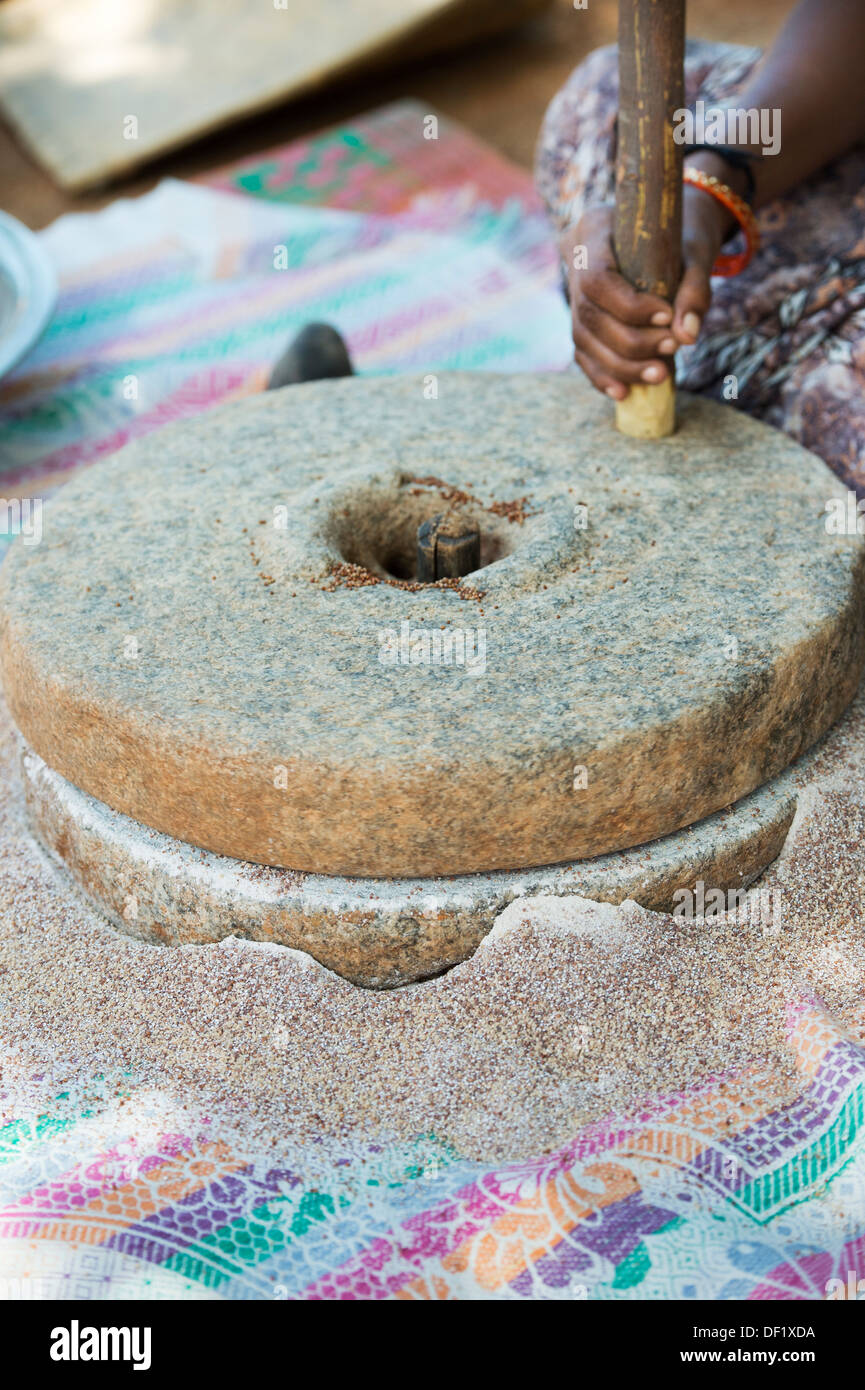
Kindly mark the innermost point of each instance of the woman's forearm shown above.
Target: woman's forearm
(815, 75)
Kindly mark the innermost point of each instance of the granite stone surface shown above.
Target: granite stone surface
(375, 932)
(219, 636)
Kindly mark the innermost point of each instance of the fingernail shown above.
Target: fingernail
(662, 318)
(614, 392)
(691, 324)
(652, 374)
(667, 345)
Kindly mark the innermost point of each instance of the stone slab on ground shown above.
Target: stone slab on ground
(216, 635)
(374, 932)
(71, 71)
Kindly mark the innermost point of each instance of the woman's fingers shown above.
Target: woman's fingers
(613, 365)
(590, 260)
(692, 300)
(634, 344)
(598, 377)
(620, 334)
(611, 292)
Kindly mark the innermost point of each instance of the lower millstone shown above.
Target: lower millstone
(374, 932)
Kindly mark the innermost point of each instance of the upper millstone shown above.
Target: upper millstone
(220, 633)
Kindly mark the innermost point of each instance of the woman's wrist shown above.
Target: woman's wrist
(714, 216)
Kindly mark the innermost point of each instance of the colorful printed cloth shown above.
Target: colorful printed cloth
(187, 296)
(431, 253)
(791, 327)
(707, 1195)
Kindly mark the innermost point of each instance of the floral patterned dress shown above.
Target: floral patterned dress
(791, 327)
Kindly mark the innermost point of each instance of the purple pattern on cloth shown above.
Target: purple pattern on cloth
(767, 1142)
(200, 1213)
(611, 1233)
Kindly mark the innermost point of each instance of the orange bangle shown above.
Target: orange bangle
(728, 264)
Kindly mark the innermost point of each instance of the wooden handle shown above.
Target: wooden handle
(448, 547)
(648, 225)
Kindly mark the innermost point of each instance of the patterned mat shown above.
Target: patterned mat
(705, 1195)
(425, 253)
(428, 254)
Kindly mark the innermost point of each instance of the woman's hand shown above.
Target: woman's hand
(621, 335)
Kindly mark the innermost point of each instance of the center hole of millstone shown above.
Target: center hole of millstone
(378, 529)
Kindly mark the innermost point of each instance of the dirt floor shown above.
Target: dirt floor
(499, 89)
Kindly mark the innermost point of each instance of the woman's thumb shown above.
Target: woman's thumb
(692, 300)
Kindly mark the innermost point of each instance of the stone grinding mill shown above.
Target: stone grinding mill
(247, 708)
